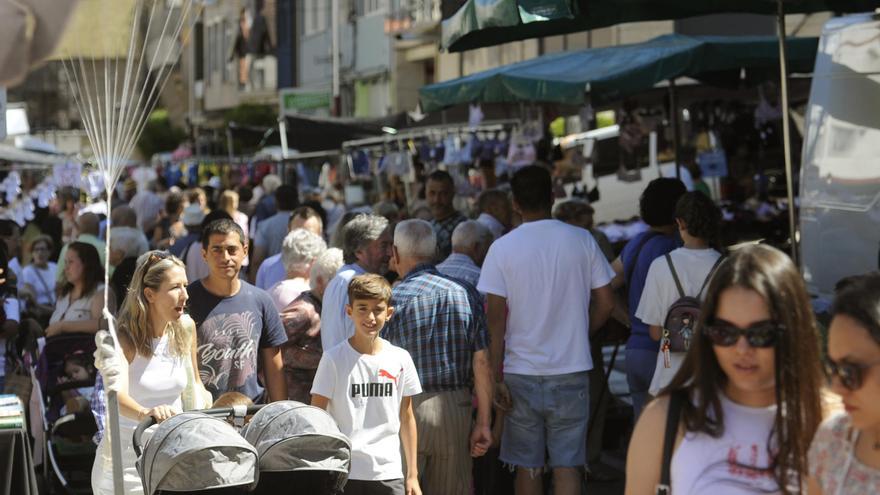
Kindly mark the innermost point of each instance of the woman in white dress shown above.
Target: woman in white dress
(157, 339)
(749, 389)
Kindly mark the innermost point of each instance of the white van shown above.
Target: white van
(840, 171)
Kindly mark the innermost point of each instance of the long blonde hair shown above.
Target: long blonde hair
(134, 318)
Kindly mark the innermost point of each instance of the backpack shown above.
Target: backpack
(682, 316)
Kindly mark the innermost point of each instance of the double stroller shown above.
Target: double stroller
(287, 446)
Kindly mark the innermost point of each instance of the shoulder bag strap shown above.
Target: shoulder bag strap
(45, 285)
(709, 276)
(673, 417)
(629, 274)
(674, 275)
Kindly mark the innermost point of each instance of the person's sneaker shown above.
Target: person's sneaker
(601, 472)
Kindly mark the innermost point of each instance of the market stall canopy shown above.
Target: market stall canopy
(16, 155)
(477, 23)
(309, 133)
(607, 74)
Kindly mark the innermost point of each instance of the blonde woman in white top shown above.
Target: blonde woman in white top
(158, 340)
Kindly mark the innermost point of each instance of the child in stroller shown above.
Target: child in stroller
(65, 377)
(78, 367)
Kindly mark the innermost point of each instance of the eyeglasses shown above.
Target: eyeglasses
(762, 334)
(850, 374)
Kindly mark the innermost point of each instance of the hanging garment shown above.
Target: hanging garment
(359, 163)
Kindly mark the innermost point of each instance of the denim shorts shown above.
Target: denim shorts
(549, 414)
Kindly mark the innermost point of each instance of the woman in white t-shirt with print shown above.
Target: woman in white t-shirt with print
(749, 389)
(698, 221)
(845, 454)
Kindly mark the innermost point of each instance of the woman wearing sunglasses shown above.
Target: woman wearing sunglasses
(745, 404)
(845, 455)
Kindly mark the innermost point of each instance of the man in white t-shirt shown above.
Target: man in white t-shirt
(367, 385)
(548, 286)
(366, 248)
(698, 221)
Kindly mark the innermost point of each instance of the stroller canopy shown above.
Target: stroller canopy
(291, 436)
(193, 451)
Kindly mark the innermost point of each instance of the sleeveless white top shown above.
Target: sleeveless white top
(151, 382)
(156, 380)
(735, 463)
(79, 310)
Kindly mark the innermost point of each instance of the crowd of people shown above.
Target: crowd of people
(438, 339)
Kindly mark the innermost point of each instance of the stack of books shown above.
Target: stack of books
(11, 412)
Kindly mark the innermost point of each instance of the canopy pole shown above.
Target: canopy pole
(229, 144)
(676, 131)
(786, 133)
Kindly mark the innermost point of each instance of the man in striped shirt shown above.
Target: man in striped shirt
(440, 321)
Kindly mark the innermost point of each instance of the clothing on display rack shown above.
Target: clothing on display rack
(358, 164)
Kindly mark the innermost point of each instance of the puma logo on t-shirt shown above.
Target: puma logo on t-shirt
(385, 374)
(371, 390)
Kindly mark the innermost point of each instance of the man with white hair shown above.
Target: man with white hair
(366, 248)
(441, 323)
(298, 251)
(470, 243)
(302, 322)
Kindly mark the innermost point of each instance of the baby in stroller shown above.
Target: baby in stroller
(78, 367)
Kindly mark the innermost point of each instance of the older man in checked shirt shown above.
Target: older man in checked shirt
(440, 321)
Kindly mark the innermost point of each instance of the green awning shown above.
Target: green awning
(479, 23)
(606, 74)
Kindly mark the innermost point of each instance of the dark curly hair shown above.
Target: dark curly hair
(657, 204)
(700, 215)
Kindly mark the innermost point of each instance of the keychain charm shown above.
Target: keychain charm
(665, 346)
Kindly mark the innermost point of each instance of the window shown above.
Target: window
(209, 56)
(199, 50)
(315, 15)
(366, 7)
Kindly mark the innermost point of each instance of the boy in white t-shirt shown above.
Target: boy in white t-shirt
(698, 220)
(367, 385)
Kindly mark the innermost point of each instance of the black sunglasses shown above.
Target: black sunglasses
(761, 334)
(850, 374)
(154, 258)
